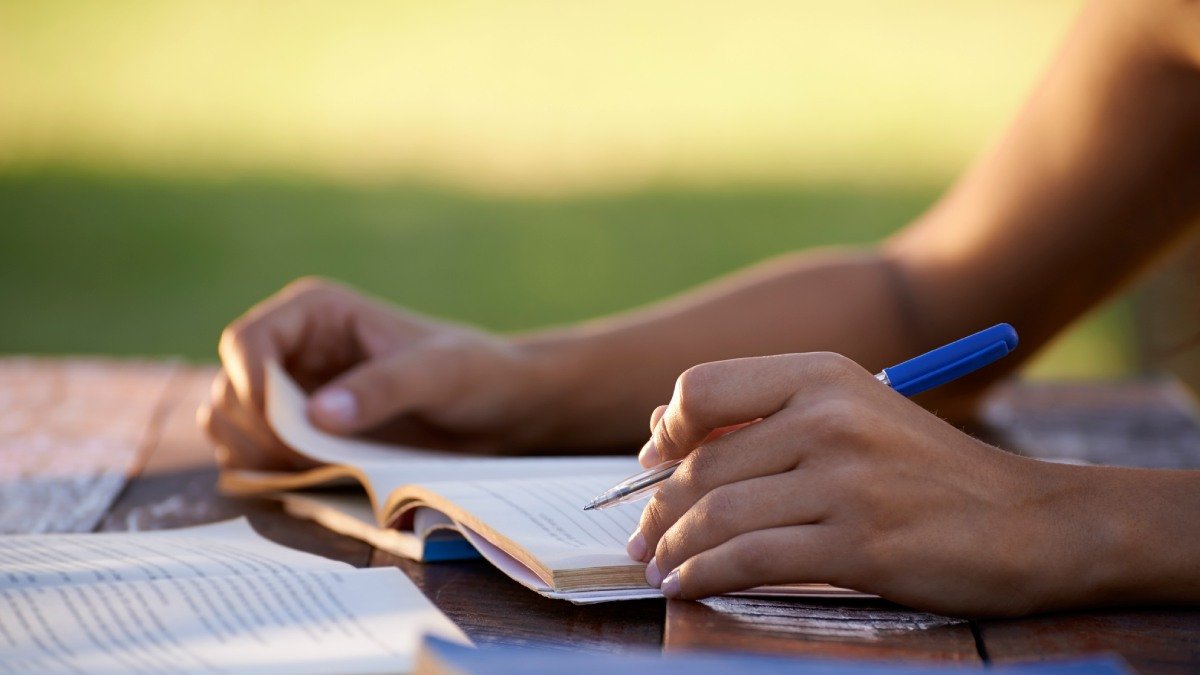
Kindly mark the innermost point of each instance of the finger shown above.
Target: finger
(267, 332)
(649, 459)
(269, 450)
(798, 554)
(656, 416)
(724, 393)
(423, 378)
(253, 426)
(233, 449)
(731, 510)
(773, 446)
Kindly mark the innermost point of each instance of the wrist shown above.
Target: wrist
(561, 387)
(1103, 538)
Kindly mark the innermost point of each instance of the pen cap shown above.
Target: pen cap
(952, 361)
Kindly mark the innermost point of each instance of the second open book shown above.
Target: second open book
(524, 515)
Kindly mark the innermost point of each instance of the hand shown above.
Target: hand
(372, 367)
(844, 481)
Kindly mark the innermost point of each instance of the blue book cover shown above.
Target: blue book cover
(440, 657)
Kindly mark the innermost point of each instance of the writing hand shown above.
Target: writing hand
(844, 481)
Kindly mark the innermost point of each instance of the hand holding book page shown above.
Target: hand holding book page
(382, 468)
(203, 599)
(522, 514)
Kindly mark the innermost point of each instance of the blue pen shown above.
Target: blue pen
(910, 378)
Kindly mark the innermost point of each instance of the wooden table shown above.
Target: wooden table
(173, 478)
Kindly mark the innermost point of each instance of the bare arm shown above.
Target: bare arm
(1097, 177)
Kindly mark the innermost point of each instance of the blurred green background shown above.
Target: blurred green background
(163, 165)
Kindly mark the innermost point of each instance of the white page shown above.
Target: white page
(287, 412)
(209, 599)
(546, 517)
(391, 466)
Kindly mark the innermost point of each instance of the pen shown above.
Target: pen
(910, 378)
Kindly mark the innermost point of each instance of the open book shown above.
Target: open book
(524, 515)
(214, 598)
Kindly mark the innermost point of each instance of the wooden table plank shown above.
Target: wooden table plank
(492, 609)
(827, 628)
(1153, 641)
(1143, 424)
(71, 433)
(1149, 424)
(177, 488)
(1153, 424)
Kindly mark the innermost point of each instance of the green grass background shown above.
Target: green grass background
(132, 265)
(163, 165)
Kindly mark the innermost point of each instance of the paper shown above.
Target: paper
(565, 552)
(288, 416)
(546, 518)
(216, 598)
(388, 467)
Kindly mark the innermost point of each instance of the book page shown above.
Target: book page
(214, 598)
(288, 417)
(388, 467)
(546, 518)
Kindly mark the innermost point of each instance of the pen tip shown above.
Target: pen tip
(589, 506)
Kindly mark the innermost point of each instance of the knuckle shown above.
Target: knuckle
(830, 366)
(667, 438)
(667, 551)
(713, 512)
(232, 337)
(697, 469)
(379, 387)
(665, 508)
(833, 419)
(653, 517)
(693, 386)
(752, 559)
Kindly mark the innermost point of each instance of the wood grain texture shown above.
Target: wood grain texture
(1144, 424)
(177, 487)
(72, 431)
(492, 609)
(826, 628)
(1148, 424)
(1152, 641)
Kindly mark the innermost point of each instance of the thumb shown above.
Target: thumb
(713, 399)
(373, 392)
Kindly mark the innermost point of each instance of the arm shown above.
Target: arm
(1099, 174)
(1097, 177)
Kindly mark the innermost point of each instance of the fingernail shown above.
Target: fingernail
(670, 585)
(636, 548)
(653, 577)
(336, 405)
(649, 454)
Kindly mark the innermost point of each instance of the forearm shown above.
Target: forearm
(606, 376)
(1097, 177)
(1134, 535)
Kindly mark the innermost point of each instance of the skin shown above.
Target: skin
(799, 465)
